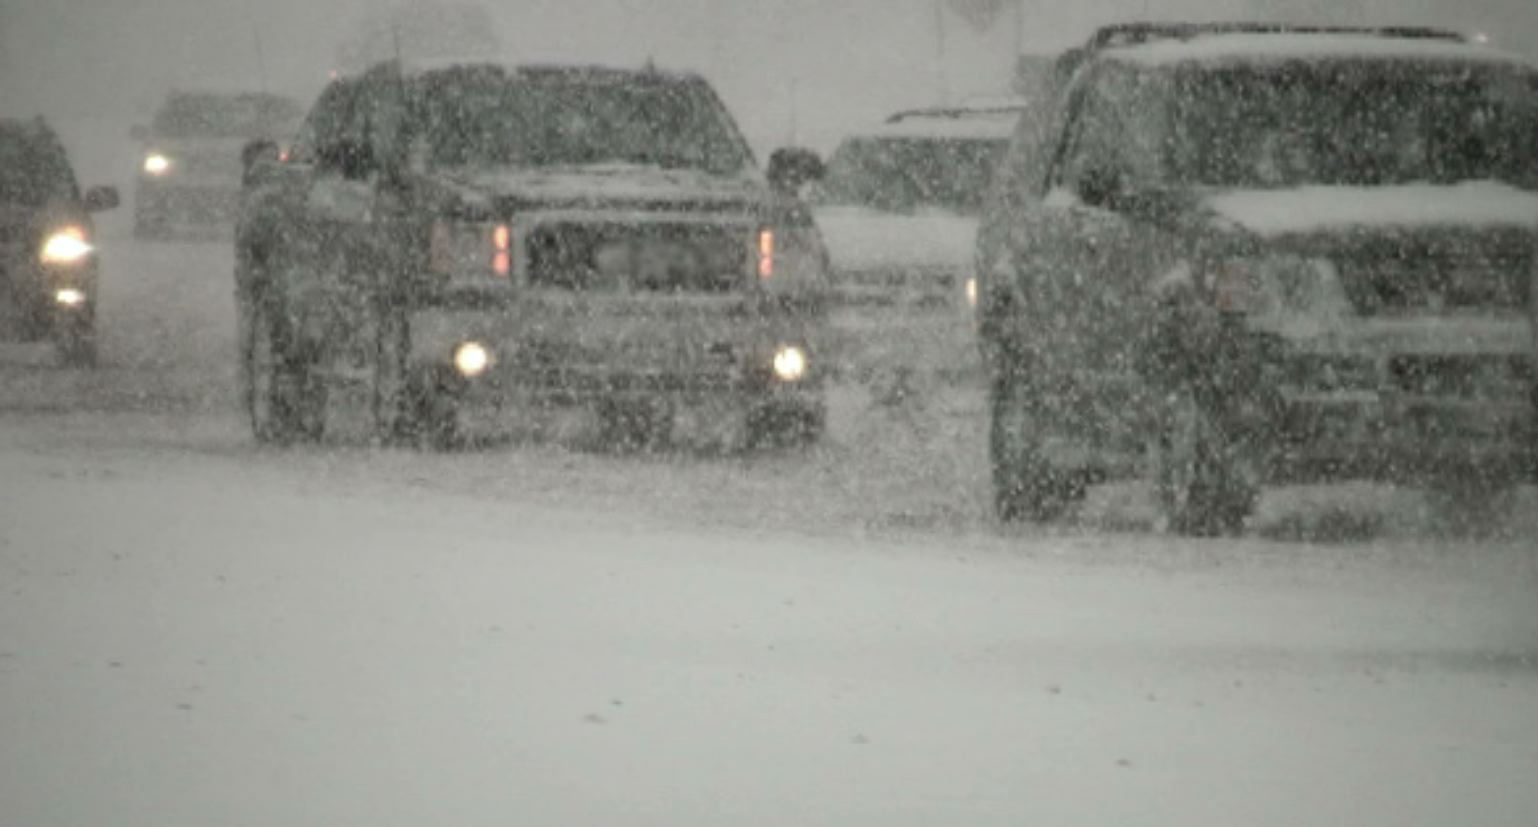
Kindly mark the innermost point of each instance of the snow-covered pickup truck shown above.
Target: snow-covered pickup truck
(899, 208)
(1234, 257)
(467, 241)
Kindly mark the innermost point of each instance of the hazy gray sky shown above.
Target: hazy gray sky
(813, 67)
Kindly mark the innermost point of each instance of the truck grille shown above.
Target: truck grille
(1430, 274)
(665, 258)
(1463, 377)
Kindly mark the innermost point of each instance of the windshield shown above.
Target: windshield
(32, 172)
(484, 119)
(1356, 123)
(217, 116)
(902, 175)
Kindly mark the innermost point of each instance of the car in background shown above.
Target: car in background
(190, 162)
(1243, 255)
(48, 256)
(451, 245)
(899, 207)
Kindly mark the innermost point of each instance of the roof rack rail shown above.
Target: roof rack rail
(1136, 34)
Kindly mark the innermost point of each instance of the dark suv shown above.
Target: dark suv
(48, 264)
(1250, 254)
(473, 242)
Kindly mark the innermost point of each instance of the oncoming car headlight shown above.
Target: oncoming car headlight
(156, 164)
(66, 246)
(790, 364)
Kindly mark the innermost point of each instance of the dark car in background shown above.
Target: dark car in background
(1241, 256)
(458, 244)
(190, 160)
(48, 255)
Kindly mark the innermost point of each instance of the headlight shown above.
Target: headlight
(971, 292)
(156, 164)
(67, 246)
(790, 364)
(472, 359)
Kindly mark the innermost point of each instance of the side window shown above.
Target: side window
(1022, 174)
(1117, 128)
(326, 123)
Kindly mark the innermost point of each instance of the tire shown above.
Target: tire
(1026, 488)
(77, 345)
(278, 391)
(1206, 478)
(429, 414)
(80, 351)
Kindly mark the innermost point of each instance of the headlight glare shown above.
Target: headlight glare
(67, 246)
(472, 359)
(156, 164)
(790, 364)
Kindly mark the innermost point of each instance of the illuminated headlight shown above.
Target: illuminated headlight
(156, 164)
(971, 291)
(67, 246)
(69, 297)
(790, 364)
(472, 360)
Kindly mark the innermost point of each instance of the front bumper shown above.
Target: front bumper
(1366, 435)
(525, 370)
(46, 298)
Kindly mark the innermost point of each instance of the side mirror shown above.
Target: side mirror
(791, 169)
(353, 160)
(101, 199)
(255, 154)
(139, 132)
(1103, 187)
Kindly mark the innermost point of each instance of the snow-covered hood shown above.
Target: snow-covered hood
(609, 186)
(862, 240)
(1313, 210)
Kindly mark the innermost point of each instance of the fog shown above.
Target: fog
(800, 71)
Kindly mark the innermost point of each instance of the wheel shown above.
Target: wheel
(278, 392)
(1206, 478)
(429, 413)
(1025, 485)
(77, 345)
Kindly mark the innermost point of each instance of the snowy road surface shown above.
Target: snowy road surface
(195, 632)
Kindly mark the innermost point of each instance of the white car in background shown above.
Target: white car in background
(899, 211)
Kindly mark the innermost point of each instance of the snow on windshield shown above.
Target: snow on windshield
(1355, 122)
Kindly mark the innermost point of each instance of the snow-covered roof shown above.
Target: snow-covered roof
(1251, 48)
(418, 66)
(988, 126)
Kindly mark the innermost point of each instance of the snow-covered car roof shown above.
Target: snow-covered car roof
(417, 67)
(977, 125)
(1253, 48)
